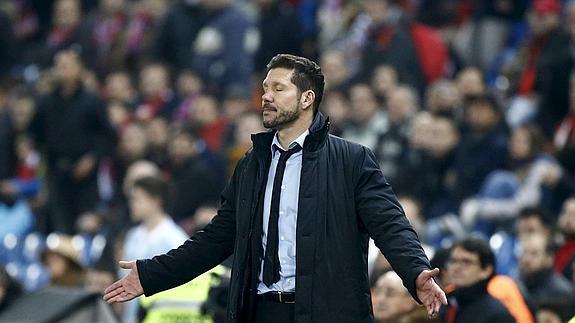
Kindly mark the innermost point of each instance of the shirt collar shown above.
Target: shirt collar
(299, 140)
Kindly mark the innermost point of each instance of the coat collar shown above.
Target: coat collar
(317, 136)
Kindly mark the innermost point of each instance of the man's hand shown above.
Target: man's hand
(126, 288)
(84, 167)
(429, 293)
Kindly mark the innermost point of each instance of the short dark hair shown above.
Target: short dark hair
(543, 215)
(486, 100)
(307, 74)
(153, 186)
(479, 247)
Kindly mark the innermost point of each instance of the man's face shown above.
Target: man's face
(567, 218)
(281, 99)
(390, 298)
(529, 226)
(142, 204)
(534, 258)
(464, 268)
(68, 67)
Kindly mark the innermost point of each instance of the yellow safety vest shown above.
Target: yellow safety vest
(182, 304)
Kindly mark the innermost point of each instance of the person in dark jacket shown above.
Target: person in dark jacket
(470, 266)
(332, 198)
(72, 128)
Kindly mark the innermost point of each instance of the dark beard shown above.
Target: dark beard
(283, 118)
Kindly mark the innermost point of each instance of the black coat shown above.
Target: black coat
(475, 305)
(344, 200)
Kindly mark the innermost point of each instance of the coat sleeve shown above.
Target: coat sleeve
(386, 223)
(201, 252)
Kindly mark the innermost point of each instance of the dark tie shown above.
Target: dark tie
(271, 260)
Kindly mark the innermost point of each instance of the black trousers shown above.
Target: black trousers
(274, 312)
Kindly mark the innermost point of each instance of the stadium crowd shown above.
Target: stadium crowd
(121, 120)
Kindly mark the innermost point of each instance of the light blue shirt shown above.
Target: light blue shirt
(287, 221)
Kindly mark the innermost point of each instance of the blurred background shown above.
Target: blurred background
(121, 120)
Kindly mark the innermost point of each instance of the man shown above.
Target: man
(327, 227)
(72, 127)
(536, 272)
(470, 267)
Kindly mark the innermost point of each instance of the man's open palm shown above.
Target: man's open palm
(126, 288)
(429, 293)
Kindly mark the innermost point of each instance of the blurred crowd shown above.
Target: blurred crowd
(121, 120)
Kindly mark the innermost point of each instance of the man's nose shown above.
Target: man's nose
(267, 97)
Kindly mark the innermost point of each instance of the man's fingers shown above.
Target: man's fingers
(113, 293)
(115, 285)
(126, 264)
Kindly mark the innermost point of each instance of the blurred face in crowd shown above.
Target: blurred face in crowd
(547, 316)
(181, 148)
(443, 137)
(334, 67)
(247, 125)
(281, 99)
(390, 298)
(67, 13)
(142, 204)
(154, 80)
(336, 107)
(541, 23)
(384, 79)
(464, 268)
(443, 97)
(363, 104)
(133, 143)
(189, 84)
(23, 110)
(567, 218)
(481, 117)
(401, 103)
(470, 82)
(376, 10)
(119, 87)
(157, 133)
(137, 170)
(205, 110)
(520, 148)
(531, 225)
(421, 130)
(68, 67)
(534, 258)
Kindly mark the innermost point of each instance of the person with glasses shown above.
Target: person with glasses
(470, 266)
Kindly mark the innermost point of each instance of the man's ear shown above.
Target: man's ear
(307, 99)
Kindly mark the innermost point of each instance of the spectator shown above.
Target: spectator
(280, 32)
(565, 255)
(62, 260)
(157, 96)
(391, 146)
(392, 302)
(367, 120)
(470, 266)
(482, 149)
(537, 275)
(194, 181)
(71, 126)
(223, 51)
(443, 99)
(157, 233)
(66, 30)
(505, 193)
(337, 75)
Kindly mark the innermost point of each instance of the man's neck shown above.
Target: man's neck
(287, 135)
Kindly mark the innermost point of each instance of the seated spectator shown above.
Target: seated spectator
(541, 283)
(62, 259)
(505, 193)
(392, 302)
(470, 266)
(565, 255)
